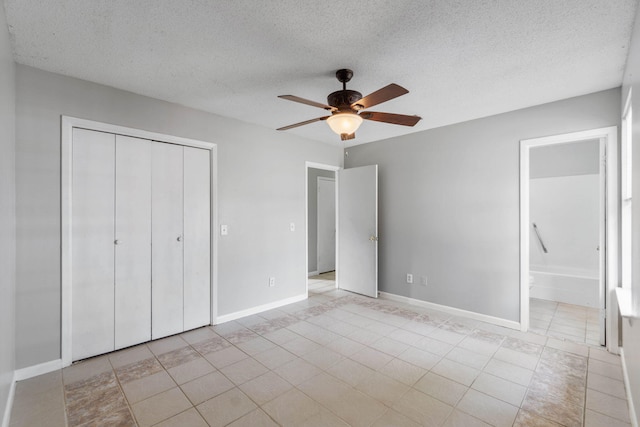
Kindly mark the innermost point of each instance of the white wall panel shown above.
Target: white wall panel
(167, 240)
(197, 241)
(93, 243)
(133, 236)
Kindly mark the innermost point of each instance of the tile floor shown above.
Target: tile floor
(565, 321)
(336, 359)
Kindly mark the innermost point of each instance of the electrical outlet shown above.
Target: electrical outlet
(272, 282)
(423, 280)
(409, 278)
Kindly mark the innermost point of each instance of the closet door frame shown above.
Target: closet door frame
(66, 198)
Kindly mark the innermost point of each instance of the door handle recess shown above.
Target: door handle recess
(117, 242)
(179, 238)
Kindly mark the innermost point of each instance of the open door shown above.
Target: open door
(358, 230)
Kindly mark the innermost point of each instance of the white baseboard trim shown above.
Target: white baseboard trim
(34, 371)
(627, 387)
(259, 309)
(7, 410)
(312, 273)
(452, 310)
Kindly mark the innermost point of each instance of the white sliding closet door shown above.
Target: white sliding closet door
(133, 241)
(92, 243)
(167, 231)
(197, 232)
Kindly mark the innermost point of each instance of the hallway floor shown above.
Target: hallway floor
(336, 359)
(564, 321)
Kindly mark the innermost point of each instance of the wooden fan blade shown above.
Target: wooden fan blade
(395, 119)
(303, 123)
(307, 102)
(381, 95)
(347, 136)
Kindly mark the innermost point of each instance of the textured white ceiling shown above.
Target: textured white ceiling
(460, 60)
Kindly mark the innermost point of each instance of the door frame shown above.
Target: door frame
(67, 126)
(326, 167)
(609, 138)
(333, 180)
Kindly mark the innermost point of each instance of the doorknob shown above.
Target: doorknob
(373, 238)
(179, 238)
(116, 242)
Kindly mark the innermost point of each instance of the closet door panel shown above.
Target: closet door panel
(92, 242)
(167, 236)
(133, 241)
(197, 235)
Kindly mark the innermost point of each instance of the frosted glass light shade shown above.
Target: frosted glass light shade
(342, 123)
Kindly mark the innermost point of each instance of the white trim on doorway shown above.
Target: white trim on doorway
(609, 137)
(321, 166)
(67, 126)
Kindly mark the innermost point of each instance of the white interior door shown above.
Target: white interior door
(133, 241)
(197, 235)
(92, 242)
(167, 235)
(358, 230)
(602, 276)
(326, 224)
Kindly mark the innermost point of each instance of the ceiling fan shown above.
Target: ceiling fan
(346, 108)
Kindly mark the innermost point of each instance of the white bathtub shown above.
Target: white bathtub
(564, 285)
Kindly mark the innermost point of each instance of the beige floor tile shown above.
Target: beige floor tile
(443, 389)
(468, 357)
(479, 346)
(364, 336)
(422, 408)
(255, 418)
(345, 346)
(323, 418)
(356, 408)
(166, 345)
(549, 407)
(324, 358)
(226, 407)
(389, 346)
(509, 372)
(160, 407)
(528, 419)
(297, 371)
(456, 371)
(571, 347)
(605, 369)
(130, 355)
(206, 387)
(178, 357)
(604, 356)
(265, 387)
(499, 388)
(243, 371)
(324, 388)
(447, 336)
(606, 385)
(383, 388)
(84, 369)
(292, 408)
(190, 370)
(371, 358)
(402, 371)
(256, 345)
(350, 371)
(488, 409)
(395, 419)
(140, 369)
(226, 356)
(275, 357)
(595, 419)
(190, 418)
(524, 360)
(608, 405)
(300, 346)
(461, 419)
(281, 336)
(420, 358)
(434, 346)
(141, 389)
(198, 335)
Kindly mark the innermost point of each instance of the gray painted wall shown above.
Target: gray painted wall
(449, 202)
(631, 331)
(260, 191)
(7, 214)
(312, 189)
(576, 158)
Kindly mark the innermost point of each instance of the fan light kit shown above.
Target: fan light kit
(346, 108)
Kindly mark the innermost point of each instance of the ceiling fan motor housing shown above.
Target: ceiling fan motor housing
(343, 99)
